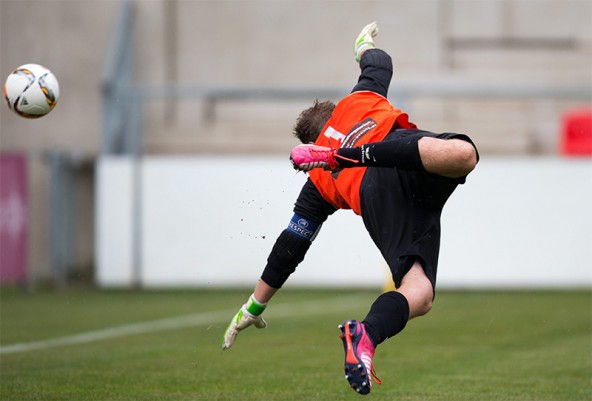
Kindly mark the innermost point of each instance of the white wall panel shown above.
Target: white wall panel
(211, 221)
(114, 228)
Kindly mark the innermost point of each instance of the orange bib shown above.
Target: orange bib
(360, 118)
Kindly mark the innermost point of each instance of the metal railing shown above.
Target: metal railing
(124, 101)
(117, 85)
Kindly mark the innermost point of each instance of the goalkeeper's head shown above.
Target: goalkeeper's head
(311, 121)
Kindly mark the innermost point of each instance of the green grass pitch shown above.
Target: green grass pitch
(166, 345)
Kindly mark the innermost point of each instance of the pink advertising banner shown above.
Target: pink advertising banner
(13, 217)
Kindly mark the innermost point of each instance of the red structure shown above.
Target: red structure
(576, 133)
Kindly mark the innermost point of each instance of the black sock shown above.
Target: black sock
(402, 153)
(388, 315)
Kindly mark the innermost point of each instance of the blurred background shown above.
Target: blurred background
(165, 160)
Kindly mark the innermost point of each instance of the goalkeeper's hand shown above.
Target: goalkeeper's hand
(365, 40)
(239, 322)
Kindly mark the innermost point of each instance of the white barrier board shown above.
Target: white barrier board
(212, 221)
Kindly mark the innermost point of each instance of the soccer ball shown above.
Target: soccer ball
(31, 91)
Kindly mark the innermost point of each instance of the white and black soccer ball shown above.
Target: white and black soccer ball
(31, 91)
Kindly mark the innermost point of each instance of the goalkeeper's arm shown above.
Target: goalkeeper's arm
(249, 314)
(289, 250)
(365, 40)
(376, 65)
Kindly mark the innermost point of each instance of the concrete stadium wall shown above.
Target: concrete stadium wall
(289, 43)
(210, 221)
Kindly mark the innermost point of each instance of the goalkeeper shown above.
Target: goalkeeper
(363, 154)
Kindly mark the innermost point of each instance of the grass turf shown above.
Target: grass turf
(520, 345)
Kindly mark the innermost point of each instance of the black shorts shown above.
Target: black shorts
(401, 210)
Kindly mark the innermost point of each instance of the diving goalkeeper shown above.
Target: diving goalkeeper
(363, 154)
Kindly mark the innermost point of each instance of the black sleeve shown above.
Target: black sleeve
(290, 248)
(376, 74)
(312, 205)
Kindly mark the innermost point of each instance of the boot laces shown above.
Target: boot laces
(367, 360)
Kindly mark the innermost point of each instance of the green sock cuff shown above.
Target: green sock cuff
(254, 307)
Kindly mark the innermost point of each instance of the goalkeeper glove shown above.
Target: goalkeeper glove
(365, 40)
(249, 314)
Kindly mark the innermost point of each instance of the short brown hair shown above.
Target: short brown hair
(311, 121)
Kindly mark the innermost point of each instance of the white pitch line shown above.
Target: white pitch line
(276, 311)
